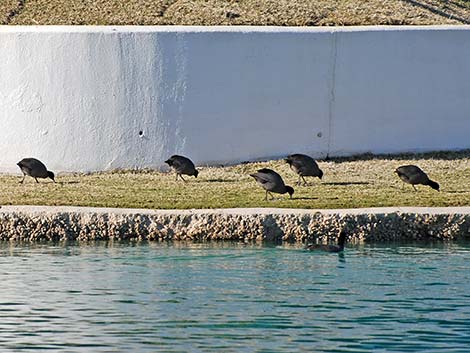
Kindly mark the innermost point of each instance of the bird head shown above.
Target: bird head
(290, 190)
(434, 185)
(51, 175)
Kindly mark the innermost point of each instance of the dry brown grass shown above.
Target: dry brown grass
(238, 12)
(92, 12)
(348, 183)
(7, 10)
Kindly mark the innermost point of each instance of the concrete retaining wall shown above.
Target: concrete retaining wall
(34, 223)
(99, 98)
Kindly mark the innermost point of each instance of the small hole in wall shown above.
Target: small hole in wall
(141, 133)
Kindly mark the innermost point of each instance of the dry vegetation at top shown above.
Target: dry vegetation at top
(348, 183)
(235, 12)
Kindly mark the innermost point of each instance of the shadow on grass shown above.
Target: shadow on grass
(421, 188)
(308, 184)
(346, 183)
(408, 189)
(401, 188)
(219, 180)
(287, 199)
(68, 182)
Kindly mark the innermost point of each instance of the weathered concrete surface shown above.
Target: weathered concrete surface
(257, 224)
(93, 98)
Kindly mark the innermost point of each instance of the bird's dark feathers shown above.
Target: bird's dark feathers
(330, 247)
(272, 181)
(267, 171)
(266, 175)
(304, 165)
(182, 165)
(33, 167)
(24, 167)
(413, 175)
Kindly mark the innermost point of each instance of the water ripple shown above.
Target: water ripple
(221, 297)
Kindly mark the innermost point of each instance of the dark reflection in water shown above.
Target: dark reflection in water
(226, 297)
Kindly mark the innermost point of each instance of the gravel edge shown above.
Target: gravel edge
(43, 223)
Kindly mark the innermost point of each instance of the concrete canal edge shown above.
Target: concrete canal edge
(37, 223)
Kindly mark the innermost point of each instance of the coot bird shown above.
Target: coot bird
(34, 168)
(413, 175)
(330, 247)
(272, 182)
(182, 165)
(304, 166)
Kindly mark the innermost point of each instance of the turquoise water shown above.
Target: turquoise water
(234, 298)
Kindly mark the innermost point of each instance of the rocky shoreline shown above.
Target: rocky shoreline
(41, 223)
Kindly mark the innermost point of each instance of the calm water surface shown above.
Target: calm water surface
(234, 298)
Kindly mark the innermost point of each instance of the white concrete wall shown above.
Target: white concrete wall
(77, 97)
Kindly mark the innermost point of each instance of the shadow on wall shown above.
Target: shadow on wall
(444, 155)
